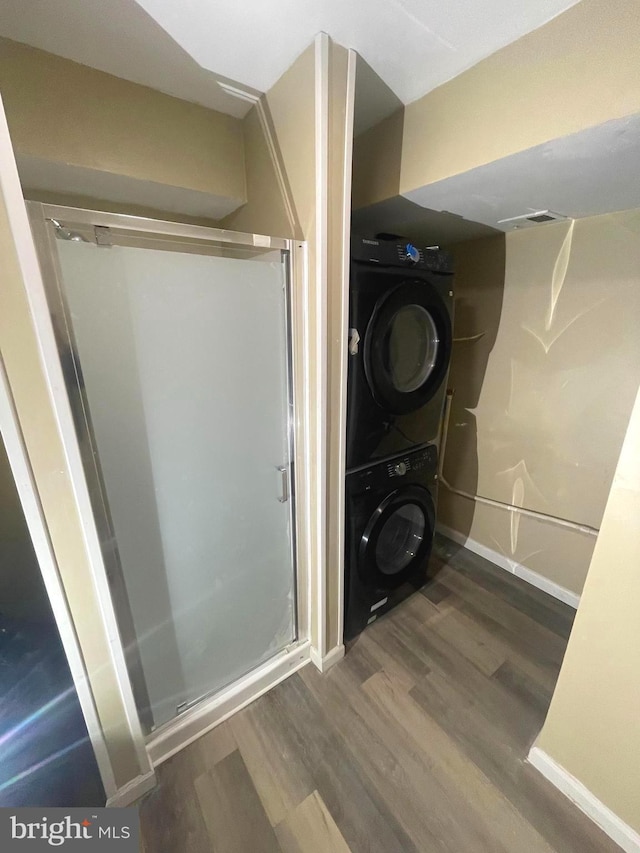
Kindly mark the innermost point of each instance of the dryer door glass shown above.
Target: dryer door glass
(407, 347)
(413, 347)
(400, 539)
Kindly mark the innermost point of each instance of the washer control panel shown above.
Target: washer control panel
(412, 462)
(396, 470)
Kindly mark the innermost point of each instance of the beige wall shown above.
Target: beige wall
(377, 154)
(22, 592)
(61, 111)
(21, 356)
(592, 728)
(579, 70)
(91, 203)
(265, 210)
(542, 401)
(289, 113)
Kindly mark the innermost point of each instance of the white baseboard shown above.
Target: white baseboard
(331, 658)
(610, 823)
(132, 791)
(509, 565)
(200, 719)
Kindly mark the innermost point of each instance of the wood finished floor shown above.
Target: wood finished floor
(416, 741)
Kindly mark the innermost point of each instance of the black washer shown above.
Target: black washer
(390, 515)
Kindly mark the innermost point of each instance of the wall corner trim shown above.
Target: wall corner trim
(331, 658)
(609, 822)
(132, 791)
(534, 578)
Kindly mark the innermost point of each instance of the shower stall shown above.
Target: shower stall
(178, 346)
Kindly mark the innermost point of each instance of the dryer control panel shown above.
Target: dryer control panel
(400, 253)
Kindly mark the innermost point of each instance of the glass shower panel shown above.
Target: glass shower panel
(183, 368)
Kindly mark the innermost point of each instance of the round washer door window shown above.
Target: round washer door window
(412, 350)
(400, 539)
(397, 538)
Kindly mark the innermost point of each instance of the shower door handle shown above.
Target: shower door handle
(284, 494)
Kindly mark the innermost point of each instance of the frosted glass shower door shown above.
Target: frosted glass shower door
(183, 364)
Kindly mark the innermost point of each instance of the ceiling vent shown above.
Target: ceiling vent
(526, 220)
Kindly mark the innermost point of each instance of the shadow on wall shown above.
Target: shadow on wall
(479, 287)
(47, 758)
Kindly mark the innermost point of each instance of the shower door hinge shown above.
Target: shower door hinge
(103, 235)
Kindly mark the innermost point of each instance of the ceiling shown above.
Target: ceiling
(422, 226)
(120, 38)
(588, 173)
(184, 48)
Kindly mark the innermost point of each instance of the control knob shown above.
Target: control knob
(412, 253)
(400, 469)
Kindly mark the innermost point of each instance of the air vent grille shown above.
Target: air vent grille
(534, 217)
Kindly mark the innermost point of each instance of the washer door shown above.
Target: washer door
(407, 347)
(397, 537)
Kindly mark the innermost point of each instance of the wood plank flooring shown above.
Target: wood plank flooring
(416, 741)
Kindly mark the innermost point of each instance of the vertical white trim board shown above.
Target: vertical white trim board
(609, 822)
(319, 641)
(344, 330)
(513, 566)
(331, 658)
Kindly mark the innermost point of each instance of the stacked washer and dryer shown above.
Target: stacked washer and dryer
(400, 318)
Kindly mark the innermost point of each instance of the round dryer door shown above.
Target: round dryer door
(407, 347)
(397, 538)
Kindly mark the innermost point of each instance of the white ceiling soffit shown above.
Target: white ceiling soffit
(118, 37)
(414, 45)
(588, 173)
(423, 227)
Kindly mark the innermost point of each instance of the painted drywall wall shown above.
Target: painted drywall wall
(68, 114)
(265, 210)
(91, 203)
(542, 400)
(280, 158)
(577, 71)
(22, 592)
(21, 355)
(592, 725)
(377, 155)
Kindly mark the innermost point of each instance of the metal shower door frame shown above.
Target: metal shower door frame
(107, 229)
